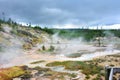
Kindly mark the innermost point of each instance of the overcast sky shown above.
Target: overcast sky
(63, 13)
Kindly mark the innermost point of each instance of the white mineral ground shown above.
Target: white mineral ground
(88, 52)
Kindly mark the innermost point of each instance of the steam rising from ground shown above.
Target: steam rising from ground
(15, 55)
(9, 54)
(10, 51)
(77, 46)
(10, 46)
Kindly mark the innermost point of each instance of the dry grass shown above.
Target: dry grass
(9, 73)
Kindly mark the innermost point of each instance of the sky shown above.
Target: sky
(63, 13)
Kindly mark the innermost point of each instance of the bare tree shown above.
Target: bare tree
(3, 14)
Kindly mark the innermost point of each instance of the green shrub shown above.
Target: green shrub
(43, 48)
(49, 31)
(52, 48)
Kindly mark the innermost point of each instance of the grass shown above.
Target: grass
(87, 69)
(9, 73)
(41, 69)
(4, 77)
(53, 74)
(37, 62)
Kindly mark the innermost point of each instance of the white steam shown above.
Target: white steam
(13, 54)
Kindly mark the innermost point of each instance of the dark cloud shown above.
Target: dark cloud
(59, 12)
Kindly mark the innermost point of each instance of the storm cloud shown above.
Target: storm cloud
(62, 12)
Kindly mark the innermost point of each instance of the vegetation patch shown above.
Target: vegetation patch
(52, 48)
(27, 46)
(87, 69)
(9, 73)
(52, 75)
(23, 33)
(37, 62)
(4, 77)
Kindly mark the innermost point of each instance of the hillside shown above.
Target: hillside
(15, 39)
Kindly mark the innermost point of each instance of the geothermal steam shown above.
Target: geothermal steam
(14, 54)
